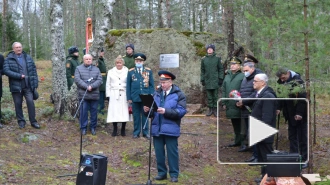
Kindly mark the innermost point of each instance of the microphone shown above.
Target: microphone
(89, 80)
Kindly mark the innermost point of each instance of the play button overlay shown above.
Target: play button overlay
(259, 131)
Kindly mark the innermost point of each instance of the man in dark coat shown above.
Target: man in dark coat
(72, 62)
(265, 111)
(88, 80)
(103, 69)
(23, 80)
(129, 57)
(232, 81)
(212, 75)
(139, 81)
(166, 125)
(294, 111)
(2, 60)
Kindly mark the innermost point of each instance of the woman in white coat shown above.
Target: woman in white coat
(116, 91)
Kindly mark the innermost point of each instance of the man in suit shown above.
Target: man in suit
(139, 81)
(103, 69)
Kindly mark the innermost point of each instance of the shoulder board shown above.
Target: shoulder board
(70, 58)
(131, 69)
(203, 57)
(147, 68)
(124, 56)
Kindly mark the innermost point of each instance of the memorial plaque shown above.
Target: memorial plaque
(169, 60)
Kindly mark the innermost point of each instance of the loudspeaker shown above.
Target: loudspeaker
(283, 170)
(92, 170)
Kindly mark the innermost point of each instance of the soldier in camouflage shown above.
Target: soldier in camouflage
(211, 77)
(128, 58)
(72, 62)
(103, 69)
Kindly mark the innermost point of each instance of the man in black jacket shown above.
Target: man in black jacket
(23, 80)
(265, 111)
(294, 111)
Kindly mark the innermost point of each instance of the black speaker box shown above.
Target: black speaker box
(283, 170)
(92, 170)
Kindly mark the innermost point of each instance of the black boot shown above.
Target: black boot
(209, 113)
(215, 111)
(114, 133)
(122, 132)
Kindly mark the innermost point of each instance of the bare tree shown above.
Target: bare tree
(106, 12)
(58, 57)
(29, 27)
(4, 25)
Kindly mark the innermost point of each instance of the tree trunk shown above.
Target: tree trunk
(168, 14)
(230, 28)
(29, 27)
(58, 57)
(4, 25)
(205, 16)
(100, 35)
(163, 14)
(75, 23)
(35, 29)
(150, 14)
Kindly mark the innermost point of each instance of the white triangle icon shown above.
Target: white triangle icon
(259, 130)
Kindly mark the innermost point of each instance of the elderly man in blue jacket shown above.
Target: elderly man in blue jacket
(165, 125)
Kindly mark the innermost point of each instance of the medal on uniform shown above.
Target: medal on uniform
(145, 76)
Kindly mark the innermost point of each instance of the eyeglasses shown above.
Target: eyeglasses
(255, 81)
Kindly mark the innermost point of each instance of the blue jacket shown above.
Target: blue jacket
(12, 67)
(139, 84)
(175, 108)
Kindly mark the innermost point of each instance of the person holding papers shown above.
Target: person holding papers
(165, 126)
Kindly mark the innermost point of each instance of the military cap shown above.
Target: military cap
(139, 56)
(73, 49)
(210, 46)
(165, 75)
(250, 58)
(235, 60)
(129, 45)
(84, 51)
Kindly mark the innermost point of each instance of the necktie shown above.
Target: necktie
(165, 95)
(257, 95)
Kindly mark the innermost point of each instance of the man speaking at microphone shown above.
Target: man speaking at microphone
(166, 125)
(88, 80)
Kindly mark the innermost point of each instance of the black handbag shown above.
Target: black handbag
(35, 94)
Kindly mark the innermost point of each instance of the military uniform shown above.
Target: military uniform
(72, 62)
(139, 83)
(103, 69)
(129, 61)
(212, 77)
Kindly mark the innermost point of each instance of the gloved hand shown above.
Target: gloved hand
(203, 83)
(220, 82)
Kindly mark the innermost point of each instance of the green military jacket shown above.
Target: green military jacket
(232, 82)
(72, 62)
(103, 69)
(211, 71)
(129, 61)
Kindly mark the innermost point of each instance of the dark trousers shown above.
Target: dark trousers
(91, 107)
(101, 101)
(263, 149)
(172, 152)
(212, 97)
(254, 147)
(139, 119)
(298, 138)
(18, 101)
(236, 122)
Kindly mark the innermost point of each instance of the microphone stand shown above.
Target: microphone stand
(81, 136)
(149, 182)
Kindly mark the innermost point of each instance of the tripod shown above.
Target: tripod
(149, 182)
